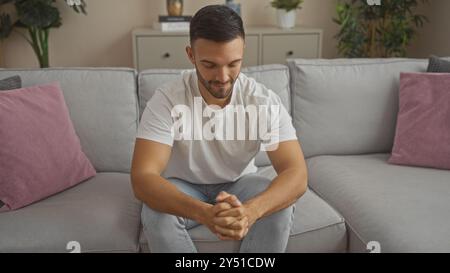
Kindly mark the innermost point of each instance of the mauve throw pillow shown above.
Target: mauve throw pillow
(423, 126)
(40, 153)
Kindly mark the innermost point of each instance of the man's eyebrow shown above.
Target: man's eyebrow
(209, 62)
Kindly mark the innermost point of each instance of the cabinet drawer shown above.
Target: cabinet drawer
(251, 52)
(278, 48)
(162, 52)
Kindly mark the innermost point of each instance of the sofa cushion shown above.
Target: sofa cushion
(41, 154)
(347, 106)
(101, 214)
(423, 126)
(103, 107)
(317, 228)
(405, 209)
(150, 80)
(274, 77)
(438, 65)
(11, 83)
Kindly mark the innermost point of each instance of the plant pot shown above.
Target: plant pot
(286, 19)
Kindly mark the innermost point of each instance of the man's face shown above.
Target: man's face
(218, 64)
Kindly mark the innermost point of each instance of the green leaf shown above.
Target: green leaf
(3, 2)
(6, 26)
(38, 13)
(287, 5)
(394, 24)
(19, 24)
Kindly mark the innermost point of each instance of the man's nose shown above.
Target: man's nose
(222, 75)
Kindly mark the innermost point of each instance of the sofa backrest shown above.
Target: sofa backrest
(274, 77)
(103, 107)
(347, 106)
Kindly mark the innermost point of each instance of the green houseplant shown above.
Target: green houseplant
(286, 11)
(287, 5)
(377, 31)
(34, 19)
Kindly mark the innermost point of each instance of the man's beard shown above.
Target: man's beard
(222, 93)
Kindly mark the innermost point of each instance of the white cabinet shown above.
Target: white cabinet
(251, 51)
(264, 45)
(279, 47)
(161, 52)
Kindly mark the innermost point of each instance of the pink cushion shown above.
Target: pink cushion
(423, 126)
(40, 153)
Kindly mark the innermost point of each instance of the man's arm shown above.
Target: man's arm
(149, 161)
(290, 184)
(285, 189)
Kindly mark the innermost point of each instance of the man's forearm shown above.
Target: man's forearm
(284, 191)
(161, 195)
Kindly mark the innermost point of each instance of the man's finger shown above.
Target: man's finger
(224, 238)
(225, 231)
(224, 221)
(233, 200)
(229, 198)
(222, 196)
(241, 224)
(246, 232)
(221, 207)
(233, 212)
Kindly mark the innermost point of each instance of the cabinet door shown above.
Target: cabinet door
(279, 47)
(162, 52)
(251, 52)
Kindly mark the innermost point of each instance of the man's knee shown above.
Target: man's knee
(155, 220)
(281, 220)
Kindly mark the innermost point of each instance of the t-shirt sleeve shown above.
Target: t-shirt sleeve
(279, 124)
(156, 121)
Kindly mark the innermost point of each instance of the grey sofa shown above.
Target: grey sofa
(344, 112)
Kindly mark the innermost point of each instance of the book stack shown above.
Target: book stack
(173, 23)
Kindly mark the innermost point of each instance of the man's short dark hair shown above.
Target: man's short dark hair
(217, 23)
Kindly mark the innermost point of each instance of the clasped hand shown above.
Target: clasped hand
(229, 219)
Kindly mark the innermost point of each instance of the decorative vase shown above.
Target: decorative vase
(286, 19)
(175, 7)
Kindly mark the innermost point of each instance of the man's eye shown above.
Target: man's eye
(234, 64)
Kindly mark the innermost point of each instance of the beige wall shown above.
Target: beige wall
(103, 38)
(434, 37)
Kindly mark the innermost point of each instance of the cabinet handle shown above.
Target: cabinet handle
(166, 56)
(290, 53)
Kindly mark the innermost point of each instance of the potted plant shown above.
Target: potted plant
(377, 31)
(36, 17)
(286, 12)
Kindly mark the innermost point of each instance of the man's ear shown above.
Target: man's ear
(190, 54)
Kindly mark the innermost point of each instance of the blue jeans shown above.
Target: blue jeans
(167, 233)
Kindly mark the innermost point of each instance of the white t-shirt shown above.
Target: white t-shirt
(198, 158)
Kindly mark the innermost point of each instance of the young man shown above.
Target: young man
(189, 178)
